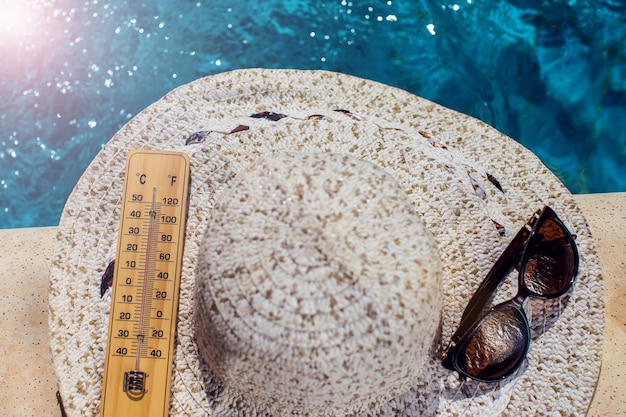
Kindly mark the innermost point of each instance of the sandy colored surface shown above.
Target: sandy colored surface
(606, 214)
(29, 384)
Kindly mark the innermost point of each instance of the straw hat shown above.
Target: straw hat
(337, 228)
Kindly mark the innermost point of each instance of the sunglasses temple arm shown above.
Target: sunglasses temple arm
(487, 288)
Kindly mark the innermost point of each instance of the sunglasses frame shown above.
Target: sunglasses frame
(513, 257)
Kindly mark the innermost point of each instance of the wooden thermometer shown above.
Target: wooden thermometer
(140, 344)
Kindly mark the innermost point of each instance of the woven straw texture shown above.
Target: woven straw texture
(468, 185)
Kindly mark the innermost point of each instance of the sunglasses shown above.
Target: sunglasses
(491, 343)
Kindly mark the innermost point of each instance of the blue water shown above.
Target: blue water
(551, 74)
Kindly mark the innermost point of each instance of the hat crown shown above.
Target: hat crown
(318, 288)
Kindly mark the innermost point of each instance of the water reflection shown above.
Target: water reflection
(72, 72)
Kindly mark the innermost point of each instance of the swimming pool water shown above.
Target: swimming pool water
(551, 74)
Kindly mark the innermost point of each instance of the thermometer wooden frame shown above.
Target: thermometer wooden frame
(146, 284)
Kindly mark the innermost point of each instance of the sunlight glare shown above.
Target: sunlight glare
(15, 17)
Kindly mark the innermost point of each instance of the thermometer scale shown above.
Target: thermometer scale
(144, 303)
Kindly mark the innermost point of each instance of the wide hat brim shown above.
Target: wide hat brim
(472, 186)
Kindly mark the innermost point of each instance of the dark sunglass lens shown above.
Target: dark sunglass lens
(496, 347)
(550, 260)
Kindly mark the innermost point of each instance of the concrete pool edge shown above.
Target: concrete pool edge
(24, 273)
